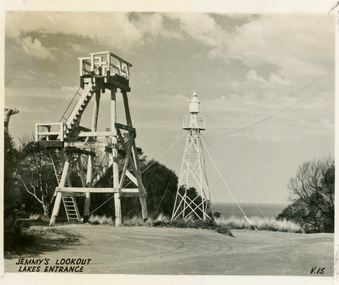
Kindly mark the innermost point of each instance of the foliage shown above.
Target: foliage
(21, 240)
(36, 174)
(159, 182)
(268, 224)
(12, 197)
(196, 202)
(138, 221)
(35, 169)
(37, 217)
(312, 197)
(100, 220)
(103, 203)
(14, 234)
(161, 185)
(164, 221)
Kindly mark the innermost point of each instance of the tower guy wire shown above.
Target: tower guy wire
(284, 99)
(273, 115)
(226, 185)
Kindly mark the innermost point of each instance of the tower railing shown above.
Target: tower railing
(105, 64)
(201, 123)
(49, 132)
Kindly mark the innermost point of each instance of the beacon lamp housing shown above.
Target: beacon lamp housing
(194, 105)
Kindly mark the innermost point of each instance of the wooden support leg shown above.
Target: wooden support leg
(140, 184)
(56, 208)
(117, 208)
(87, 204)
(87, 207)
(144, 211)
(58, 198)
(117, 202)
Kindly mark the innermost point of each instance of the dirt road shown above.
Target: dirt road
(147, 250)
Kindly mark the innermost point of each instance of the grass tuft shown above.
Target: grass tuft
(38, 217)
(100, 220)
(164, 221)
(134, 221)
(220, 225)
(269, 224)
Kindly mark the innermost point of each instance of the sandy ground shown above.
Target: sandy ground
(147, 250)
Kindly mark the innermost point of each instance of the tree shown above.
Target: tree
(312, 192)
(36, 173)
(161, 185)
(12, 197)
(130, 206)
(11, 193)
(159, 182)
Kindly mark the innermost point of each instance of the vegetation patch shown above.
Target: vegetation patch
(165, 221)
(24, 237)
(100, 220)
(16, 238)
(312, 195)
(258, 223)
(220, 225)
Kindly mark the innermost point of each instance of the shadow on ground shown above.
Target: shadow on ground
(37, 237)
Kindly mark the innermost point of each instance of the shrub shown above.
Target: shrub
(134, 221)
(269, 224)
(312, 196)
(190, 222)
(100, 220)
(15, 237)
(38, 217)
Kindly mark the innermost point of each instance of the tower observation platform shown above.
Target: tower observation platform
(83, 147)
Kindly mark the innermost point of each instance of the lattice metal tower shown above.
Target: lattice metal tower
(95, 153)
(193, 196)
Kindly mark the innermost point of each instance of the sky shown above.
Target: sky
(265, 83)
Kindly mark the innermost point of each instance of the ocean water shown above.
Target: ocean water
(259, 210)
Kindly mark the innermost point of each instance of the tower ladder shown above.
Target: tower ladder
(71, 208)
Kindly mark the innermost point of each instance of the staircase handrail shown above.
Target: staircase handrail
(63, 118)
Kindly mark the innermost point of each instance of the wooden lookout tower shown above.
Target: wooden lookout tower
(101, 72)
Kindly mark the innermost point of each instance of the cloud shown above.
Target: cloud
(75, 47)
(252, 75)
(101, 27)
(125, 30)
(274, 78)
(50, 75)
(201, 27)
(69, 88)
(285, 41)
(34, 48)
(277, 43)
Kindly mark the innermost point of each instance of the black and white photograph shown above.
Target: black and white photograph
(194, 144)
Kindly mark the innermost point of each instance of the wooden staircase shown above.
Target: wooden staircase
(71, 208)
(73, 120)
